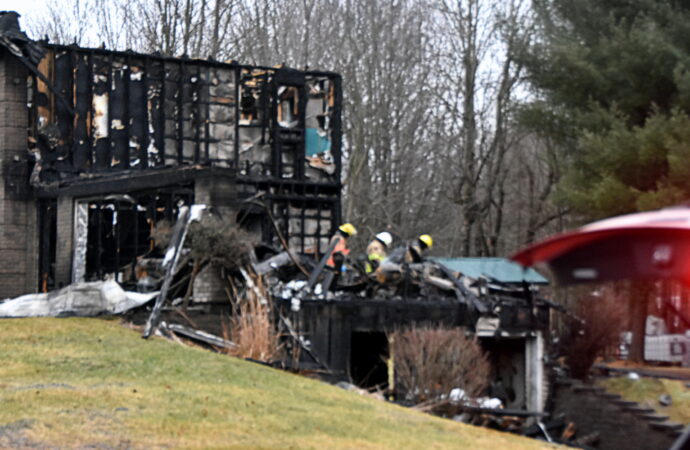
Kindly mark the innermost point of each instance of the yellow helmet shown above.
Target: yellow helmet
(348, 229)
(426, 240)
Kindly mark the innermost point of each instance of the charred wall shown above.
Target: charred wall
(119, 111)
(346, 338)
(329, 326)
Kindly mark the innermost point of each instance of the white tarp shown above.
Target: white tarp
(79, 299)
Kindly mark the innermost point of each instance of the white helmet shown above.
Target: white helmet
(385, 237)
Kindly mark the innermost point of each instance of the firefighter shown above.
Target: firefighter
(345, 232)
(416, 249)
(412, 252)
(377, 250)
(395, 268)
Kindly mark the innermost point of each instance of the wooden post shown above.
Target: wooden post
(640, 291)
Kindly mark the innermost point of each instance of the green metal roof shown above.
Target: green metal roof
(500, 269)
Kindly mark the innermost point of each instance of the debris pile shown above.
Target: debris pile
(295, 279)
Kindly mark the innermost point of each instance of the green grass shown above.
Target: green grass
(92, 382)
(647, 391)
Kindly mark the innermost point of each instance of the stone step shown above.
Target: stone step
(588, 388)
(624, 403)
(654, 417)
(610, 396)
(640, 410)
(667, 426)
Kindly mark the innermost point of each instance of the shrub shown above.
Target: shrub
(223, 244)
(429, 362)
(602, 317)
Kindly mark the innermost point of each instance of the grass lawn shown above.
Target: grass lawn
(647, 391)
(94, 383)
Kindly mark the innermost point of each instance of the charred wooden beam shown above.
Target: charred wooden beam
(202, 336)
(133, 181)
(137, 117)
(81, 154)
(171, 257)
(118, 117)
(336, 133)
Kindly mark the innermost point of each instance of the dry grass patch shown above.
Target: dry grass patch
(251, 326)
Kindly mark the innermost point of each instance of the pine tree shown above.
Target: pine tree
(612, 86)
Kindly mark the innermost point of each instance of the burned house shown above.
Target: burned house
(100, 147)
(118, 141)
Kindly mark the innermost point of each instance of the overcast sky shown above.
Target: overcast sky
(23, 7)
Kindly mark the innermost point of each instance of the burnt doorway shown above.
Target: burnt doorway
(113, 232)
(47, 220)
(368, 354)
(507, 357)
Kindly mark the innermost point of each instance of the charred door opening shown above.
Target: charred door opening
(118, 232)
(508, 365)
(47, 219)
(368, 354)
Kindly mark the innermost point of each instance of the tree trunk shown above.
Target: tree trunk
(640, 291)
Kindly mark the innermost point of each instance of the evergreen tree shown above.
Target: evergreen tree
(612, 86)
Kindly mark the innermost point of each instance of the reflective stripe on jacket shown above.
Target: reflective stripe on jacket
(340, 247)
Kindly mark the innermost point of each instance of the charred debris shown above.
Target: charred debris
(111, 156)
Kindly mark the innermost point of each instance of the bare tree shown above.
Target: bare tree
(478, 80)
(382, 50)
(430, 143)
(88, 23)
(389, 119)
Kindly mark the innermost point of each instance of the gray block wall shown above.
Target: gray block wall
(209, 287)
(18, 213)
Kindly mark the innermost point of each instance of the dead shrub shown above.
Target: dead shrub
(251, 326)
(429, 362)
(582, 343)
(221, 243)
